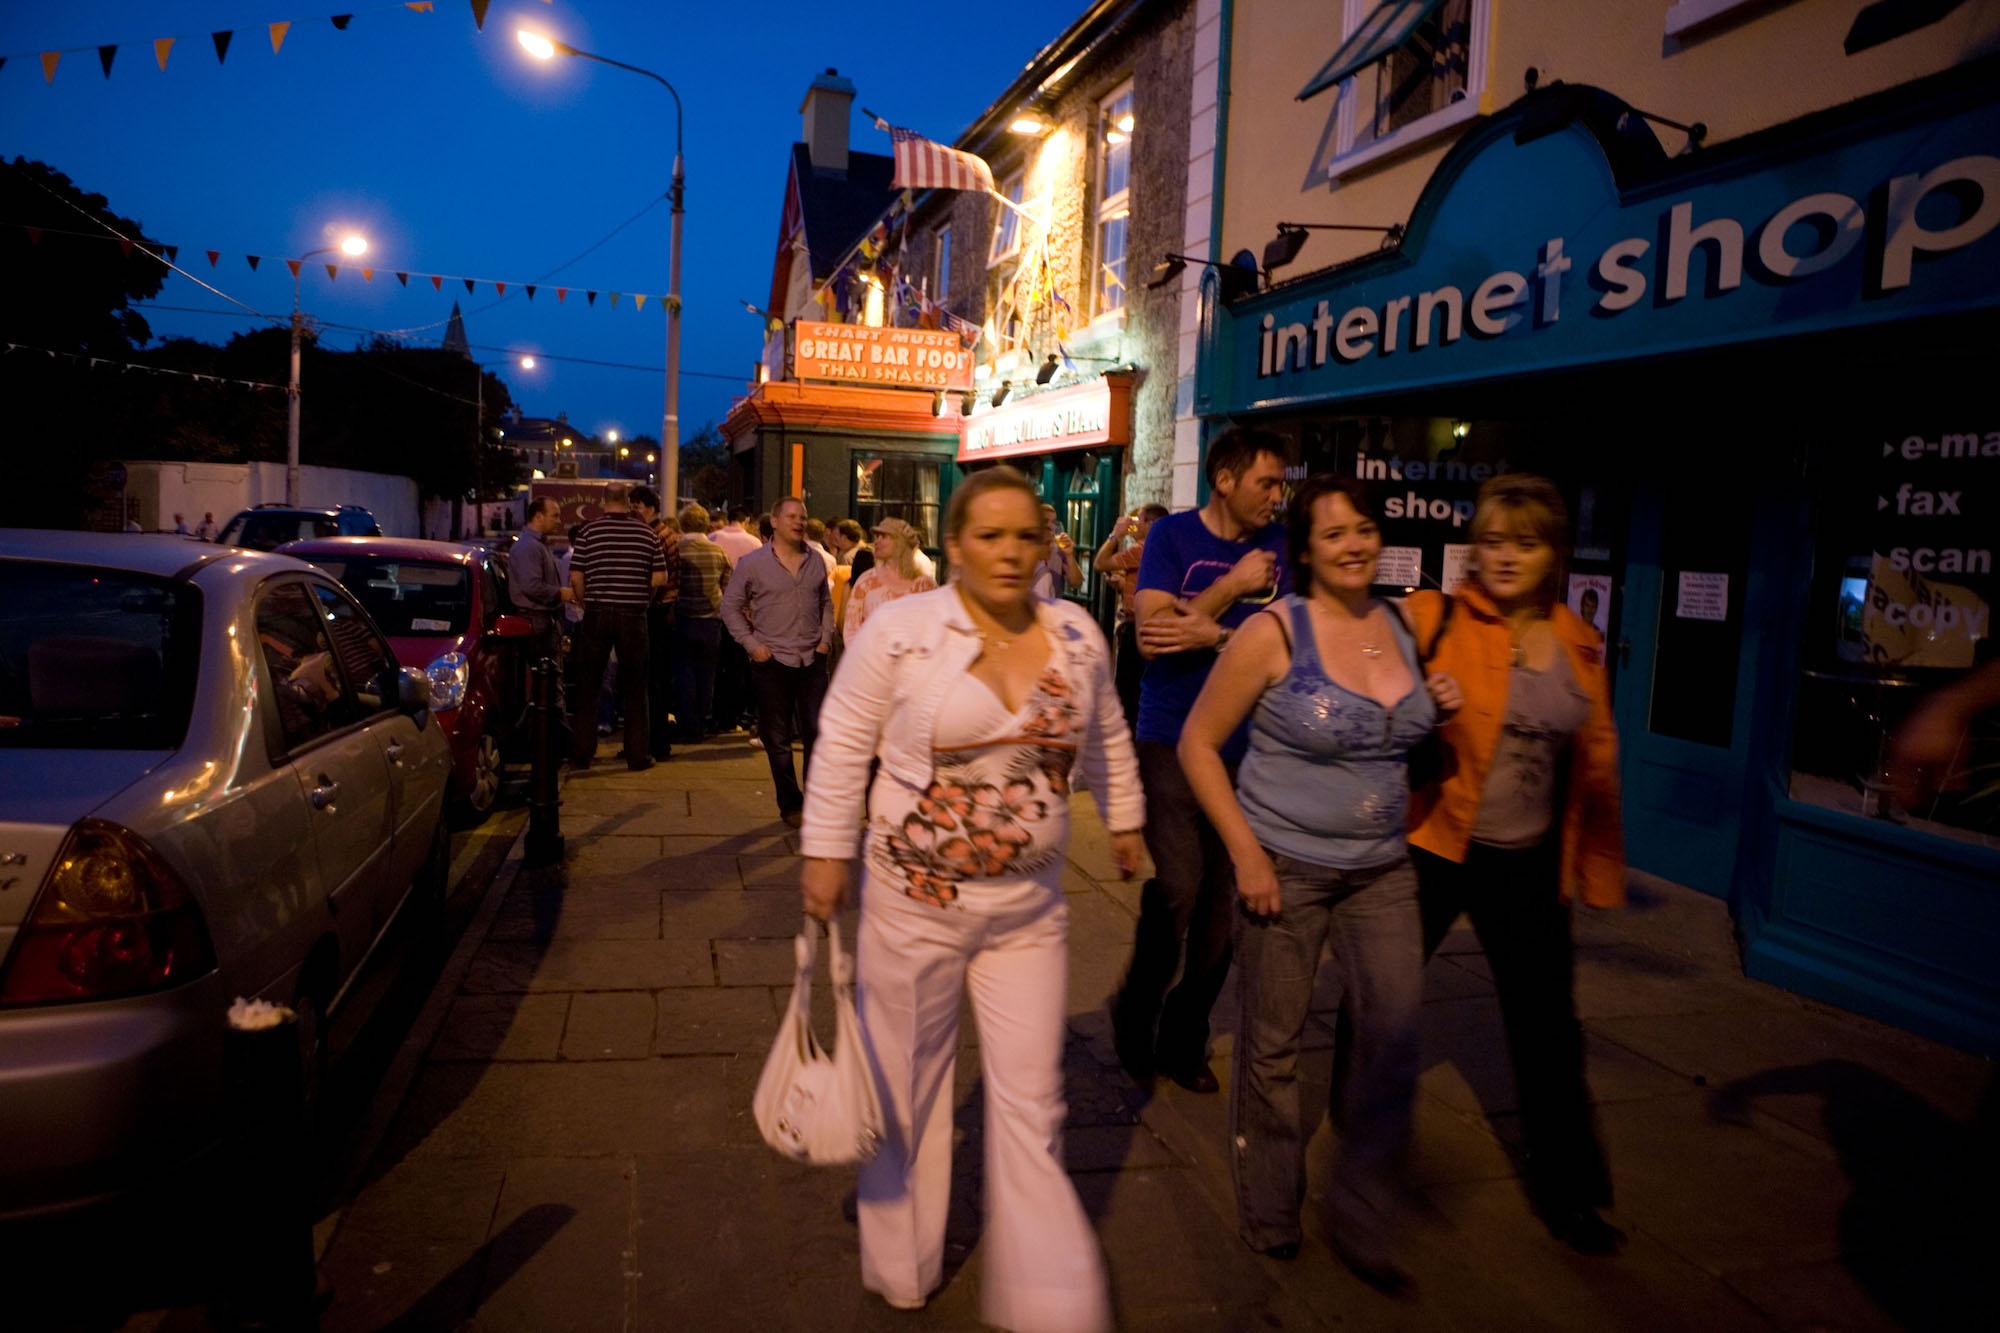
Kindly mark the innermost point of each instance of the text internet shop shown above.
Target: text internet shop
(1810, 235)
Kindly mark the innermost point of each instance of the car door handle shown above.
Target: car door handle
(324, 795)
(395, 752)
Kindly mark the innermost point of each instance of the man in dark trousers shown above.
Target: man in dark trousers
(536, 584)
(1203, 572)
(779, 608)
(660, 623)
(615, 565)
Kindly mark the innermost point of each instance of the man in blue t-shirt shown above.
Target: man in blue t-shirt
(1203, 573)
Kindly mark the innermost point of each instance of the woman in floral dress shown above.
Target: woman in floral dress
(980, 703)
(894, 575)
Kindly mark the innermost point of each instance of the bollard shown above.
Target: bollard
(266, 1279)
(544, 845)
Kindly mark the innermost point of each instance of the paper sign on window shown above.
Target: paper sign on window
(1703, 596)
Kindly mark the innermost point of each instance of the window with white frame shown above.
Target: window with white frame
(1407, 69)
(1007, 226)
(1114, 198)
(941, 280)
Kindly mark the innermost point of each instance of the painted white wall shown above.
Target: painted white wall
(191, 489)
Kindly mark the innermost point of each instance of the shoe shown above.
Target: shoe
(1368, 1259)
(794, 818)
(641, 764)
(904, 1302)
(754, 742)
(1195, 1078)
(1586, 1232)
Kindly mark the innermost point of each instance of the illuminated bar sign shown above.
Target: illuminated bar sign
(1072, 418)
(899, 358)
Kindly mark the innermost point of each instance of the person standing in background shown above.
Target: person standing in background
(1057, 571)
(1204, 572)
(697, 624)
(617, 566)
(895, 575)
(1121, 570)
(779, 608)
(205, 530)
(180, 525)
(732, 669)
(537, 585)
(660, 622)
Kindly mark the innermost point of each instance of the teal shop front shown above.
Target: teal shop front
(1763, 375)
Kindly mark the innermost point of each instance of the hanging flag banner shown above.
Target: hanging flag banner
(903, 358)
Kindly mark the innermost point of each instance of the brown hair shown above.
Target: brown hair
(1523, 501)
(1299, 520)
(1232, 452)
(999, 477)
(693, 518)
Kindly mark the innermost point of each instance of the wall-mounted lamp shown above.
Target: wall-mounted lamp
(1000, 394)
(1291, 238)
(1052, 363)
(937, 403)
(1029, 124)
(965, 403)
(772, 323)
(1460, 429)
(1239, 276)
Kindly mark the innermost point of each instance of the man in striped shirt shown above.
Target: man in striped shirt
(616, 565)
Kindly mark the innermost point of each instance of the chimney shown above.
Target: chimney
(828, 98)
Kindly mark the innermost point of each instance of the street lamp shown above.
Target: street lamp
(352, 245)
(545, 48)
(479, 369)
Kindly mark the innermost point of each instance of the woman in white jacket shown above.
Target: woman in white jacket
(980, 703)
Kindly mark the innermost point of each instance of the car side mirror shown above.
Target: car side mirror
(512, 627)
(413, 695)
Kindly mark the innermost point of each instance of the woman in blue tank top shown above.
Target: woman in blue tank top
(1334, 688)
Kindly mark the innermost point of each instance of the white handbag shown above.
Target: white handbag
(813, 1105)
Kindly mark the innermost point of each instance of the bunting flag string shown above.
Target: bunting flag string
(97, 361)
(170, 254)
(162, 46)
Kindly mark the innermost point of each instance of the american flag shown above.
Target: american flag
(924, 165)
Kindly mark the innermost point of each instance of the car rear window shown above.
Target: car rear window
(407, 598)
(95, 659)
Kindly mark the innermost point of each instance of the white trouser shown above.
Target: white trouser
(1041, 1271)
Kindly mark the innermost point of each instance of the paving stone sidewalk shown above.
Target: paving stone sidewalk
(576, 1149)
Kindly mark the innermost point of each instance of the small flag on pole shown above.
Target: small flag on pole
(924, 165)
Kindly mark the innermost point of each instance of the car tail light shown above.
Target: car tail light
(111, 919)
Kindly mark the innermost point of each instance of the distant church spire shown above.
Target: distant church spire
(454, 335)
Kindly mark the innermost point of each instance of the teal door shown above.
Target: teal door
(1683, 702)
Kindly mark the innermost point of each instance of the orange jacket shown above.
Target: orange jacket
(1477, 650)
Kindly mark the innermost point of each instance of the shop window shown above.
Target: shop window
(941, 280)
(1900, 606)
(1408, 69)
(901, 486)
(1007, 223)
(1114, 205)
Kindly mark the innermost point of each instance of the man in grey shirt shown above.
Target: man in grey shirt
(778, 607)
(537, 583)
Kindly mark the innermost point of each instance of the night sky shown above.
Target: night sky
(453, 151)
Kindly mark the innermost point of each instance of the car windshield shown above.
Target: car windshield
(95, 659)
(407, 598)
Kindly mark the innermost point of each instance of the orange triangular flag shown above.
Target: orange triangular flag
(278, 31)
(639, 301)
(49, 59)
(332, 272)
(162, 45)
(499, 289)
(561, 292)
(437, 283)
(213, 255)
(293, 265)
(368, 275)
(421, 6)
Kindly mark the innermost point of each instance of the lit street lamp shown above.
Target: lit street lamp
(544, 48)
(479, 369)
(353, 245)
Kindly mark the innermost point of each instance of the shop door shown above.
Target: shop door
(1681, 701)
(1087, 507)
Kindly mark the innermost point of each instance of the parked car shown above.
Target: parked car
(215, 781)
(445, 608)
(269, 526)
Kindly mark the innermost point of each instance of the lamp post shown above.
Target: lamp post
(353, 245)
(479, 369)
(544, 48)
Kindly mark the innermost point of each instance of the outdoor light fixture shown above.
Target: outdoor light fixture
(1029, 125)
(1169, 268)
(527, 363)
(1459, 430)
(1291, 238)
(937, 403)
(965, 403)
(612, 435)
(623, 452)
(650, 458)
(1000, 394)
(1053, 362)
(354, 245)
(538, 46)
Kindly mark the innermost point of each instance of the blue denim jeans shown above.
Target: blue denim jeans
(1371, 919)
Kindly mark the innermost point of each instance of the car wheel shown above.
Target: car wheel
(478, 799)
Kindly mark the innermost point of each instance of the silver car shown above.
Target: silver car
(215, 781)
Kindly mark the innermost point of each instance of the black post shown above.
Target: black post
(267, 1280)
(545, 840)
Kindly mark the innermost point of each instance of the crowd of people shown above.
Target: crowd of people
(1320, 778)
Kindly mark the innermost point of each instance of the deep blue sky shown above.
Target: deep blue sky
(455, 152)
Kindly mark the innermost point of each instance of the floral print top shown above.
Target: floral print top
(871, 592)
(996, 811)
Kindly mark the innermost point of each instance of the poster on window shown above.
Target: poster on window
(1590, 598)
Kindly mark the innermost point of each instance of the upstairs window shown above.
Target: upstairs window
(941, 280)
(1114, 207)
(1407, 69)
(1007, 226)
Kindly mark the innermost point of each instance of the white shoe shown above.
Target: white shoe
(904, 1302)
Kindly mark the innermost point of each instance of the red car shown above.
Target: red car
(445, 610)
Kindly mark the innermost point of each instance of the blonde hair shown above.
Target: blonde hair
(908, 542)
(1521, 501)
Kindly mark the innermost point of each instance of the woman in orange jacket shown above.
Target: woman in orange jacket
(1523, 820)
